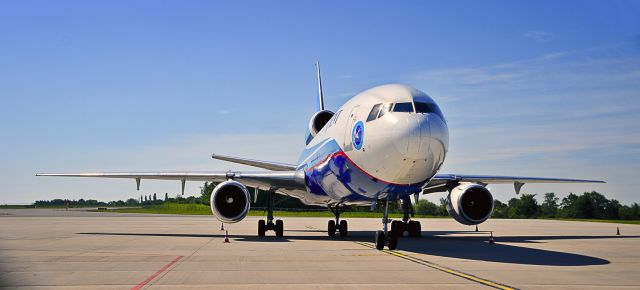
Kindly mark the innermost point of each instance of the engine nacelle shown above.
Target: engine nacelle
(318, 121)
(470, 203)
(230, 201)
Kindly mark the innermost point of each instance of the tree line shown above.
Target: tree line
(589, 205)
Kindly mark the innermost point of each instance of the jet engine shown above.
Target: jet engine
(318, 121)
(470, 203)
(230, 201)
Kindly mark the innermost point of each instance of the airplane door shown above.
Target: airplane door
(351, 121)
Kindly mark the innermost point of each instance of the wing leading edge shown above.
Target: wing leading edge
(518, 181)
(275, 180)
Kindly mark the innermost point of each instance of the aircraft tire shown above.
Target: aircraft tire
(279, 228)
(380, 240)
(415, 229)
(331, 228)
(343, 228)
(392, 242)
(261, 228)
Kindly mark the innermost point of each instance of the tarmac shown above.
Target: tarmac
(58, 249)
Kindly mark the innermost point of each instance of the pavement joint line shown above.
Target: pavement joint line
(443, 268)
(156, 274)
(190, 255)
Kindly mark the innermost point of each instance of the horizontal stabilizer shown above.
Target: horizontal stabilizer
(275, 166)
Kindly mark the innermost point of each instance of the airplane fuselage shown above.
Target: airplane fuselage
(388, 141)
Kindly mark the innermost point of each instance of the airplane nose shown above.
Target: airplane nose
(421, 142)
(439, 138)
(427, 138)
(417, 131)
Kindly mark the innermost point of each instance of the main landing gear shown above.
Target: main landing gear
(410, 228)
(337, 224)
(383, 237)
(269, 225)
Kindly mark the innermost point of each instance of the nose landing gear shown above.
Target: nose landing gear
(390, 238)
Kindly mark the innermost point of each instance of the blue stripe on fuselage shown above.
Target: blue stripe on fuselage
(329, 172)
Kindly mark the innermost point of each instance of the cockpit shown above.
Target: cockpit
(382, 109)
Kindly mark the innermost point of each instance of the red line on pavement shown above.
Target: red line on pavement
(143, 283)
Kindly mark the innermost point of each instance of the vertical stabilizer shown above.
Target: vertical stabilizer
(320, 95)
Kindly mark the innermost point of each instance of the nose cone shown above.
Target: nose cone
(438, 139)
(425, 144)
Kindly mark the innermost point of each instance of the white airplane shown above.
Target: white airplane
(385, 144)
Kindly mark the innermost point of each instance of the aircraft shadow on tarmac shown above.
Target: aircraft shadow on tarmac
(472, 246)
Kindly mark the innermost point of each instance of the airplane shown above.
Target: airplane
(385, 144)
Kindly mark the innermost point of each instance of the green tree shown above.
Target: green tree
(205, 191)
(500, 210)
(589, 205)
(425, 207)
(442, 208)
(524, 207)
(132, 202)
(549, 206)
(632, 212)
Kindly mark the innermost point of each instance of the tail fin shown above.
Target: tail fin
(320, 95)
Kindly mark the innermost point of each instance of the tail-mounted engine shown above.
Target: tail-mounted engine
(470, 203)
(317, 122)
(230, 201)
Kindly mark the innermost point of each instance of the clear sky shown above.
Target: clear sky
(537, 88)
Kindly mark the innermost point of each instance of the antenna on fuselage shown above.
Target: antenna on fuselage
(320, 95)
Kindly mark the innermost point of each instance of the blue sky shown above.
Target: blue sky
(540, 88)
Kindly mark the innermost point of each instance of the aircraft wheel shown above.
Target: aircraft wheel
(261, 228)
(380, 239)
(343, 228)
(392, 242)
(331, 228)
(279, 228)
(415, 230)
(398, 227)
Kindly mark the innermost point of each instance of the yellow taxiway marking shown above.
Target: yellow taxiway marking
(442, 268)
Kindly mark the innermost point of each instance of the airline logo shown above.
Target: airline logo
(358, 135)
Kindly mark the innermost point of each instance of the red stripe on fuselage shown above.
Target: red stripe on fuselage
(342, 153)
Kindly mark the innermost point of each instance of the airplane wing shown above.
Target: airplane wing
(440, 181)
(275, 180)
(275, 166)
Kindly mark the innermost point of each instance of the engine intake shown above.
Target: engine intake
(470, 203)
(230, 201)
(318, 121)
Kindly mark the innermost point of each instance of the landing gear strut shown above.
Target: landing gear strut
(412, 228)
(337, 224)
(383, 237)
(269, 225)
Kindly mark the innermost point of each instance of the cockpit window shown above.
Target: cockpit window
(385, 108)
(428, 108)
(403, 107)
(374, 112)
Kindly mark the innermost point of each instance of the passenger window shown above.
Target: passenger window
(386, 108)
(403, 107)
(374, 113)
